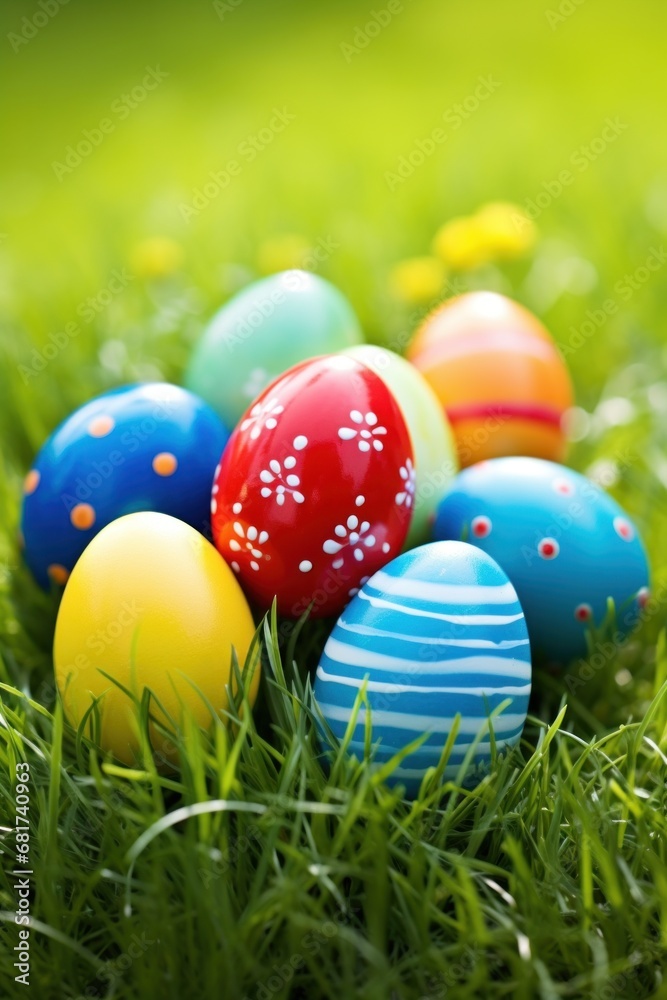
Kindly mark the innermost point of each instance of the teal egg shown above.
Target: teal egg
(567, 547)
(265, 329)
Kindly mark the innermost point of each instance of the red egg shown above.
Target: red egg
(312, 494)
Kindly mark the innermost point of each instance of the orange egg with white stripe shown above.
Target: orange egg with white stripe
(499, 376)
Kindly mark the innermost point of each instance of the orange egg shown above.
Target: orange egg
(498, 375)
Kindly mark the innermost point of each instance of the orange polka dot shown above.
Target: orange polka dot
(165, 464)
(82, 516)
(58, 574)
(101, 426)
(31, 482)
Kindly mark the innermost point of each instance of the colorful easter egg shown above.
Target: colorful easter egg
(314, 488)
(140, 447)
(150, 604)
(436, 461)
(437, 633)
(564, 543)
(498, 374)
(265, 329)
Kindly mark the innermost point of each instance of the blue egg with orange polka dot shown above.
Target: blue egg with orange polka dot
(565, 544)
(152, 447)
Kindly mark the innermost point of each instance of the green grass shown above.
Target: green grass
(252, 872)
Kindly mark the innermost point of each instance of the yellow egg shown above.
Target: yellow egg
(151, 604)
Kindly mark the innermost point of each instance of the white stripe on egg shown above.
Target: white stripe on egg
(384, 688)
(470, 726)
(444, 593)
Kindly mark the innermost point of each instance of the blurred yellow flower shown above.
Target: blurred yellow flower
(417, 279)
(506, 229)
(499, 230)
(282, 253)
(460, 245)
(156, 257)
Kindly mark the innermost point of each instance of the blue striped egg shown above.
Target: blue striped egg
(565, 544)
(437, 633)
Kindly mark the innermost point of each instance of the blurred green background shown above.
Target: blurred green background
(561, 70)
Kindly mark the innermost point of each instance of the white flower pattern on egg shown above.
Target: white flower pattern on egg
(280, 480)
(354, 534)
(367, 431)
(263, 415)
(247, 542)
(408, 475)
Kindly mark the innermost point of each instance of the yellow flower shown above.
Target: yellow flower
(417, 279)
(282, 253)
(506, 229)
(156, 257)
(460, 245)
(499, 230)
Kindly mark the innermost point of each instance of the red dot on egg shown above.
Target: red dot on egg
(643, 596)
(583, 612)
(481, 526)
(563, 486)
(624, 529)
(548, 548)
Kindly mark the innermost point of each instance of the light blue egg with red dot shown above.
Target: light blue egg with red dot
(565, 544)
(140, 447)
(437, 633)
